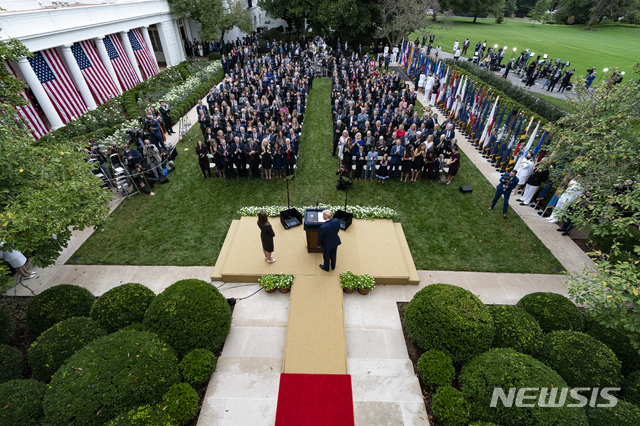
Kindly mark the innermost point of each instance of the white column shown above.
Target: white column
(147, 39)
(163, 31)
(187, 29)
(127, 47)
(40, 94)
(77, 76)
(179, 44)
(104, 55)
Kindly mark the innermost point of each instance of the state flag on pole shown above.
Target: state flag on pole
(29, 113)
(121, 63)
(56, 82)
(142, 53)
(94, 72)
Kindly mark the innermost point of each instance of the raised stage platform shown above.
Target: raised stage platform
(376, 247)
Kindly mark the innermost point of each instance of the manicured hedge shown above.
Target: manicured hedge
(450, 407)
(7, 327)
(10, 363)
(190, 314)
(581, 360)
(215, 56)
(552, 311)
(436, 369)
(516, 329)
(57, 304)
(631, 388)
(449, 318)
(623, 414)
(21, 403)
(619, 342)
(197, 366)
(59, 343)
(122, 306)
(177, 408)
(109, 376)
(505, 368)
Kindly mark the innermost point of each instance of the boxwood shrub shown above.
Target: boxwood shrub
(553, 311)
(197, 366)
(21, 403)
(57, 304)
(215, 56)
(505, 368)
(619, 342)
(449, 318)
(58, 343)
(110, 375)
(450, 407)
(623, 414)
(10, 363)
(483, 424)
(631, 388)
(190, 314)
(436, 369)
(581, 360)
(516, 329)
(7, 327)
(122, 306)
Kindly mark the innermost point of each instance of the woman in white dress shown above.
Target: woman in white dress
(342, 142)
(421, 82)
(429, 86)
(17, 260)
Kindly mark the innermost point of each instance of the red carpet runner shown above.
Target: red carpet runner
(315, 400)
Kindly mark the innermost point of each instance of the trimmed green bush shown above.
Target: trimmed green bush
(177, 408)
(215, 56)
(436, 369)
(7, 327)
(623, 414)
(10, 363)
(57, 304)
(505, 368)
(122, 306)
(450, 407)
(552, 311)
(59, 343)
(449, 318)
(181, 403)
(483, 424)
(197, 366)
(109, 376)
(516, 329)
(618, 341)
(581, 360)
(21, 403)
(631, 388)
(190, 314)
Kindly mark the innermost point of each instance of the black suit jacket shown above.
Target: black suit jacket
(328, 237)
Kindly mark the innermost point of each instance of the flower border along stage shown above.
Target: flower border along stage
(358, 212)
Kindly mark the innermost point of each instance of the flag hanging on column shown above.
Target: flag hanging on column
(94, 72)
(29, 113)
(121, 63)
(58, 85)
(142, 53)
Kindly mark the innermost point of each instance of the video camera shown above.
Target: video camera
(136, 137)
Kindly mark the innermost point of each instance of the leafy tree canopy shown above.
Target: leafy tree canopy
(216, 17)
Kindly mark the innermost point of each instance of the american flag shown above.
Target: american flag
(96, 75)
(58, 85)
(29, 113)
(121, 63)
(141, 51)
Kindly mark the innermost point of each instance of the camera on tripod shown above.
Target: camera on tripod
(136, 137)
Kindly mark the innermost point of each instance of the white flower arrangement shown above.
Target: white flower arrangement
(177, 94)
(358, 212)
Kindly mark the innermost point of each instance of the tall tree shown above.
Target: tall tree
(477, 8)
(46, 190)
(399, 18)
(283, 10)
(216, 17)
(598, 10)
(538, 11)
(600, 146)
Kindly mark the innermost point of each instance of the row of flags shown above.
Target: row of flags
(61, 89)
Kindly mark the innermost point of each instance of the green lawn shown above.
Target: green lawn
(186, 222)
(606, 47)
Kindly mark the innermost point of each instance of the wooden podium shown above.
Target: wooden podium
(312, 222)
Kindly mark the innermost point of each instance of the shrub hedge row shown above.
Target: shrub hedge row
(197, 366)
(623, 414)
(436, 369)
(631, 388)
(57, 304)
(7, 327)
(22, 402)
(619, 342)
(552, 311)
(504, 88)
(11, 363)
(450, 407)
(122, 306)
(516, 329)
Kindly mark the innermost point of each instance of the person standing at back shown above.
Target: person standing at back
(329, 240)
(266, 236)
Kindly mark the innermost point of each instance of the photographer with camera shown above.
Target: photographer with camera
(508, 182)
(143, 179)
(131, 156)
(153, 126)
(342, 183)
(96, 155)
(152, 155)
(166, 118)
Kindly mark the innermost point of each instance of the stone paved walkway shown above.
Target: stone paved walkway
(243, 390)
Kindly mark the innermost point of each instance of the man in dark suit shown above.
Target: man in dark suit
(201, 107)
(338, 128)
(397, 152)
(329, 240)
(164, 111)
